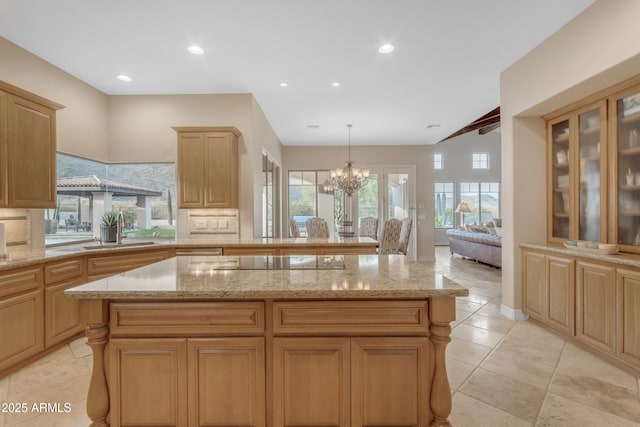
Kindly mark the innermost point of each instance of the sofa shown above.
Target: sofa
(479, 246)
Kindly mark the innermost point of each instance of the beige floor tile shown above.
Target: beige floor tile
(470, 412)
(462, 315)
(75, 417)
(466, 351)
(79, 348)
(492, 323)
(560, 411)
(597, 393)
(489, 292)
(490, 310)
(532, 331)
(4, 388)
(512, 396)
(535, 373)
(477, 335)
(479, 299)
(458, 372)
(577, 361)
(529, 349)
(468, 305)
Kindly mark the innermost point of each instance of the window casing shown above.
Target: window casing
(438, 161)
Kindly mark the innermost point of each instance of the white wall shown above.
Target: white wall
(457, 153)
(597, 49)
(324, 158)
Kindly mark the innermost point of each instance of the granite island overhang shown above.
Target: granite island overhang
(316, 340)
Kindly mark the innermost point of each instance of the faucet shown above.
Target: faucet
(119, 226)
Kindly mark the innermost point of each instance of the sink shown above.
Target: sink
(117, 245)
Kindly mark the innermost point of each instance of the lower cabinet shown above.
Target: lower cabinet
(595, 305)
(628, 312)
(62, 314)
(594, 301)
(188, 381)
(21, 322)
(345, 381)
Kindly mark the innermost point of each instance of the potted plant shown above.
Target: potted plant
(109, 227)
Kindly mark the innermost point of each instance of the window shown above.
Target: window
(270, 199)
(438, 161)
(311, 195)
(484, 200)
(480, 161)
(444, 204)
(87, 189)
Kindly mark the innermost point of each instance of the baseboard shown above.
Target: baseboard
(513, 314)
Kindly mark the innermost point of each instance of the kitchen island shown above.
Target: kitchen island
(271, 340)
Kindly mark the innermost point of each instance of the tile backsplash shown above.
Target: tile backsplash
(17, 225)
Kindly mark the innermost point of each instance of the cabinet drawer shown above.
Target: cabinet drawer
(188, 318)
(20, 281)
(351, 317)
(63, 271)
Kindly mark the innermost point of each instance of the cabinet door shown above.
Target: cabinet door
(561, 293)
(311, 382)
(62, 314)
(21, 315)
(221, 173)
(625, 182)
(534, 281)
(389, 382)
(226, 382)
(148, 385)
(559, 187)
(595, 305)
(628, 322)
(3, 149)
(191, 170)
(31, 146)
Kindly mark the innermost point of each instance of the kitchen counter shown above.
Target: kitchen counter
(626, 259)
(329, 340)
(58, 253)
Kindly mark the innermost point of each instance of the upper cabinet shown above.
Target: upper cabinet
(207, 167)
(593, 169)
(27, 149)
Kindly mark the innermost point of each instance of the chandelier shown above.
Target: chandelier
(349, 179)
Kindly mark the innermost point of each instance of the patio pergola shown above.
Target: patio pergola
(100, 192)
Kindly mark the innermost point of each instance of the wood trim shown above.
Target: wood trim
(628, 315)
(64, 270)
(29, 95)
(232, 129)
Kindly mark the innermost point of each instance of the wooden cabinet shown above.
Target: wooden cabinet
(549, 289)
(595, 305)
(62, 314)
(195, 381)
(27, 149)
(379, 380)
(628, 316)
(207, 167)
(21, 315)
(99, 266)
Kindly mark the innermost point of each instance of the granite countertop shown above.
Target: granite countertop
(627, 259)
(38, 256)
(187, 277)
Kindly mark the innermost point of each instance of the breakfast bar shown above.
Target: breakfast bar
(270, 340)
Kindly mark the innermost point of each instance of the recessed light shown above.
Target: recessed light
(284, 84)
(335, 84)
(386, 48)
(123, 77)
(431, 126)
(313, 126)
(196, 50)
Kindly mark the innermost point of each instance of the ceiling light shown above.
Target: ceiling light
(284, 84)
(386, 48)
(335, 84)
(196, 50)
(123, 77)
(313, 126)
(349, 179)
(431, 126)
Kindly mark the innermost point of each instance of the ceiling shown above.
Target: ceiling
(444, 71)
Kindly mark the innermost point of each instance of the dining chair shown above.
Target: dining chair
(369, 227)
(317, 228)
(405, 233)
(390, 240)
(293, 228)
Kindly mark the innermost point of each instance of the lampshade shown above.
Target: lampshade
(463, 207)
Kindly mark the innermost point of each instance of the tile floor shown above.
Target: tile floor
(502, 372)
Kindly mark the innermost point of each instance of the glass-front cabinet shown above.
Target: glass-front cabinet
(593, 169)
(626, 181)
